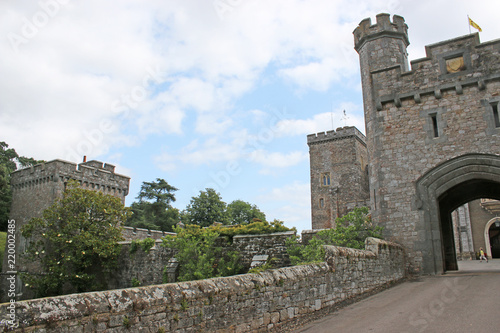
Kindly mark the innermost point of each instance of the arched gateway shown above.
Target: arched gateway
(444, 188)
(432, 142)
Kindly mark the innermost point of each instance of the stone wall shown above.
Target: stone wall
(272, 300)
(272, 245)
(147, 267)
(431, 134)
(131, 233)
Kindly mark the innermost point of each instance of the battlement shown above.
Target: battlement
(340, 134)
(383, 28)
(452, 65)
(92, 175)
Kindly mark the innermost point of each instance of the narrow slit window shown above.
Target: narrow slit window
(435, 125)
(322, 203)
(494, 107)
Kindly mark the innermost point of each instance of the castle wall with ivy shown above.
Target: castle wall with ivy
(277, 299)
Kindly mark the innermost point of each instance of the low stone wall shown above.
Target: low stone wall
(144, 267)
(130, 233)
(261, 302)
(273, 245)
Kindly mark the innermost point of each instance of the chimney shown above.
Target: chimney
(84, 158)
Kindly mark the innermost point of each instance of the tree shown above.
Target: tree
(75, 241)
(207, 208)
(241, 212)
(9, 161)
(200, 254)
(153, 210)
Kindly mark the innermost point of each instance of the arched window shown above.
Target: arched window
(325, 179)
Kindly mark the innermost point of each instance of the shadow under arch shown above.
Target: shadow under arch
(443, 189)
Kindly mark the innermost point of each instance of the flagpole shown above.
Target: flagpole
(468, 23)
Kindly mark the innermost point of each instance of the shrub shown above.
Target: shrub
(200, 255)
(351, 231)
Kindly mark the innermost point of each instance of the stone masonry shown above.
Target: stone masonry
(443, 108)
(272, 300)
(36, 188)
(339, 174)
(432, 136)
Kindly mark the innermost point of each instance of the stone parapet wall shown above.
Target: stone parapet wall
(131, 233)
(273, 245)
(271, 300)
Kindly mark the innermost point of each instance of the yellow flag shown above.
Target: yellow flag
(474, 25)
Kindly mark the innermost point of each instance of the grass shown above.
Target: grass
(3, 239)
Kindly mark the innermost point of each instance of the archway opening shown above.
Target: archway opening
(494, 237)
(453, 198)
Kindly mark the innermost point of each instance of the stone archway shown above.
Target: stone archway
(487, 237)
(444, 188)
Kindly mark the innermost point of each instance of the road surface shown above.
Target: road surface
(467, 300)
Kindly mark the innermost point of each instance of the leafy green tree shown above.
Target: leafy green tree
(206, 209)
(9, 161)
(241, 212)
(154, 210)
(75, 242)
(200, 254)
(351, 231)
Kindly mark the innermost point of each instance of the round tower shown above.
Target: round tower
(382, 54)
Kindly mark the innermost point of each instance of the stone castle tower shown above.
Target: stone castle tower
(339, 174)
(432, 135)
(36, 188)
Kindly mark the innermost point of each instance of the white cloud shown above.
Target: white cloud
(322, 122)
(276, 159)
(291, 203)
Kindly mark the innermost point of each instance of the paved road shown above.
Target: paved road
(464, 301)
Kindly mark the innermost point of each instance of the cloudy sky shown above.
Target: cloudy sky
(202, 93)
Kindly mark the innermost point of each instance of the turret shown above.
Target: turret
(382, 44)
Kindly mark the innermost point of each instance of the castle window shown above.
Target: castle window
(321, 203)
(325, 179)
(494, 107)
(434, 125)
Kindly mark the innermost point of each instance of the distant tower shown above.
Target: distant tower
(339, 175)
(36, 188)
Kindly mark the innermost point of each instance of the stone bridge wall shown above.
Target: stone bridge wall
(274, 299)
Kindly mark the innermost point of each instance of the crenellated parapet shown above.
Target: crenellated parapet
(384, 27)
(93, 175)
(340, 134)
(449, 66)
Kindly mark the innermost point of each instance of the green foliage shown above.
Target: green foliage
(3, 240)
(136, 283)
(200, 254)
(241, 212)
(126, 322)
(154, 210)
(206, 209)
(9, 161)
(75, 239)
(351, 231)
(184, 305)
(145, 244)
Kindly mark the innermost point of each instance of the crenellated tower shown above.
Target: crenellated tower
(36, 188)
(339, 175)
(380, 46)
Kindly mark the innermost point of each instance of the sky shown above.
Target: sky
(205, 94)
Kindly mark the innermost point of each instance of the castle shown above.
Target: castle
(36, 188)
(432, 144)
